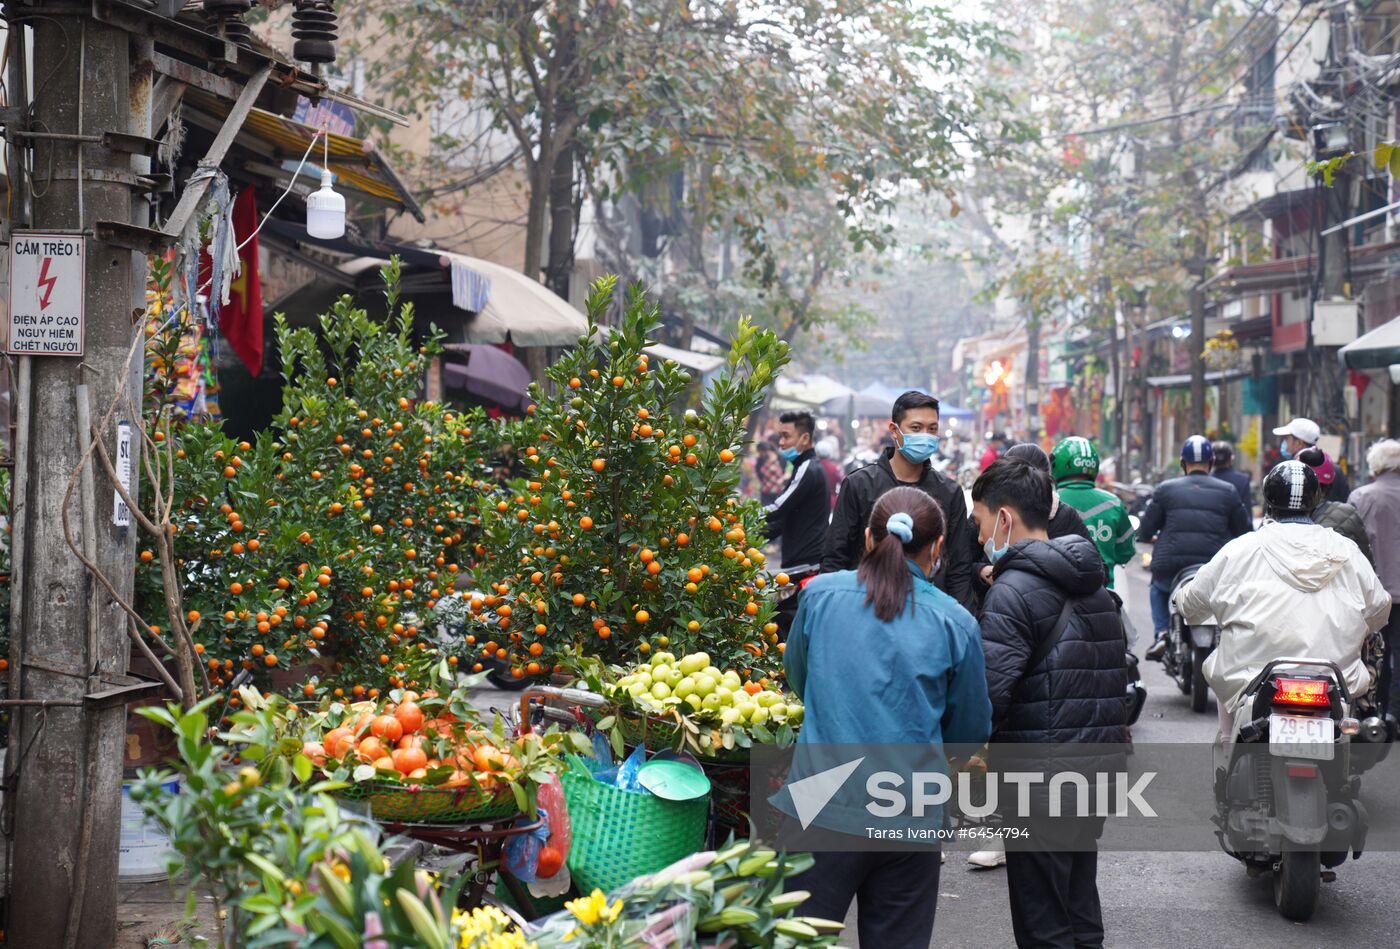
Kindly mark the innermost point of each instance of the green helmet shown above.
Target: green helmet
(1074, 457)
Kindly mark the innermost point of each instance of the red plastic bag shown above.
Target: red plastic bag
(551, 800)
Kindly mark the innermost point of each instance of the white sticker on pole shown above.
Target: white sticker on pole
(121, 514)
(46, 294)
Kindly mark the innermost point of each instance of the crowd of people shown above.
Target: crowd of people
(999, 623)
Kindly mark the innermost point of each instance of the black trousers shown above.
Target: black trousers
(896, 894)
(1388, 692)
(1055, 893)
(787, 610)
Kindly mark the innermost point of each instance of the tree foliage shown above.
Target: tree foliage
(767, 112)
(1149, 116)
(313, 551)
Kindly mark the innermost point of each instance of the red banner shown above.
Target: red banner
(241, 321)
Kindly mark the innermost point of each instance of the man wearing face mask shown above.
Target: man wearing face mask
(1056, 675)
(913, 429)
(798, 516)
(1301, 434)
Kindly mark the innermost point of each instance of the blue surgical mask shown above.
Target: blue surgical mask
(995, 553)
(1283, 450)
(790, 454)
(918, 447)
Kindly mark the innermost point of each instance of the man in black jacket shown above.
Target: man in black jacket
(799, 515)
(914, 431)
(1187, 521)
(1058, 703)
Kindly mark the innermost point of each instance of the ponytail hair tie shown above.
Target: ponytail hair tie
(901, 525)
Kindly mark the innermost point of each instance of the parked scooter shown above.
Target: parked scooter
(1286, 798)
(1187, 649)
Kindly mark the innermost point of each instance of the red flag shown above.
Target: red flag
(241, 321)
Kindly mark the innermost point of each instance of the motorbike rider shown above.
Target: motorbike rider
(1291, 588)
(1223, 467)
(1303, 433)
(1074, 464)
(1187, 520)
(1338, 515)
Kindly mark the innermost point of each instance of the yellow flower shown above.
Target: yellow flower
(587, 909)
(341, 870)
(485, 928)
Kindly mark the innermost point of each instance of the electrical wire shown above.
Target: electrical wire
(1228, 45)
(286, 191)
(291, 184)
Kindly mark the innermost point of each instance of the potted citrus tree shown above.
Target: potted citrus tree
(627, 533)
(309, 555)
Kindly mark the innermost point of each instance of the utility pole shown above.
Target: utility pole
(69, 640)
(1325, 390)
(1196, 268)
(1033, 377)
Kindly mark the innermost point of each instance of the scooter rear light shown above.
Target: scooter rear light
(1301, 692)
(1302, 771)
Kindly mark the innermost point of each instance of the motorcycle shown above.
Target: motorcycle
(1286, 798)
(1187, 649)
(1136, 695)
(1134, 495)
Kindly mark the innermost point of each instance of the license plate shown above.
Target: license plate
(1299, 736)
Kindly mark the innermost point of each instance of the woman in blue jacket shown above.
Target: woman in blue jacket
(880, 655)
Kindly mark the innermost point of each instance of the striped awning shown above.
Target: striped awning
(358, 166)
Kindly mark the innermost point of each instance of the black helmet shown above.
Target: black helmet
(1223, 452)
(1291, 489)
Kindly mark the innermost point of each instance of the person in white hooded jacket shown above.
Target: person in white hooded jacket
(1291, 588)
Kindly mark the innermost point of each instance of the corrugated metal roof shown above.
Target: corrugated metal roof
(358, 167)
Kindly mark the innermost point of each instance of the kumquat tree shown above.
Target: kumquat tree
(627, 533)
(311, 555)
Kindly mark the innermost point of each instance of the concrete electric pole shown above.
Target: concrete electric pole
(69, 641)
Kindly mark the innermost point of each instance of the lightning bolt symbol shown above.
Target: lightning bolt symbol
(47, 283)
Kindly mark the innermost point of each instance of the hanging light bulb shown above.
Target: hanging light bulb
(325, 211)
(325, 208)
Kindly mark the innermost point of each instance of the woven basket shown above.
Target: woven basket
(620, 835)
(655, 733)
(427, 805)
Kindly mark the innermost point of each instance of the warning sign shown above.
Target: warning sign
(46, 294)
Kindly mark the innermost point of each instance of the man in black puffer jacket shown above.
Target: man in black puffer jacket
(1187, 521)
(1063, 712)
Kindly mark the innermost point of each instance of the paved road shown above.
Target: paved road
(1178, 900)
(1170, 900)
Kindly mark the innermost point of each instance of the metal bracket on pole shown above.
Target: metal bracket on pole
(132, 236)
(198, 184)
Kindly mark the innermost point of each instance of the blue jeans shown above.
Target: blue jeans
(1161, 596)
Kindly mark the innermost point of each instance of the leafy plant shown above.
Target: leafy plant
(285, 864)
(733, 897)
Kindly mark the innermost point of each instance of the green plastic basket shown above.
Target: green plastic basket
(620, 835)
(429, 805)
